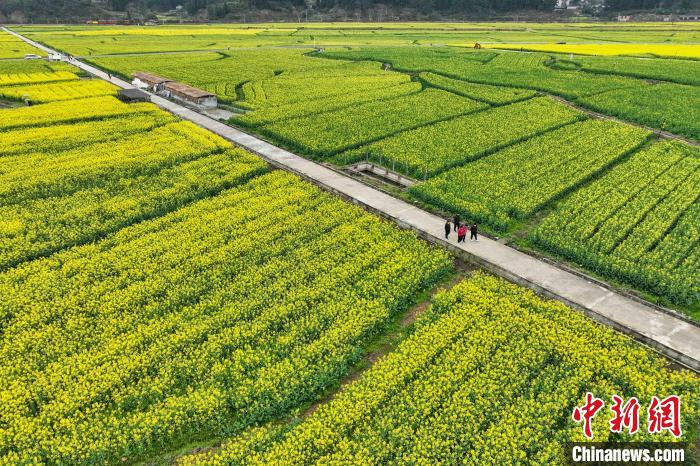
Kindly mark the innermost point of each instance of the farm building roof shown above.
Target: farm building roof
(186, 90)
(151, 78)
(132, 95)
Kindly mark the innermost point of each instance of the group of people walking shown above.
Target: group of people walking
(461, 230)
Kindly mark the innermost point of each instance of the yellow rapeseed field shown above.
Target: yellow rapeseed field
(661, 50)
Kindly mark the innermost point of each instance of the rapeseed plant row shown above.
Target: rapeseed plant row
(349, 100)
(45, 225)
(680, 71)
(38, 175)
(67, 111)
(330, 78)
(509, 69)
(12, 47)
(661, 50)
(64, 136)
(666, 106)
(14, 79)
(64, 90)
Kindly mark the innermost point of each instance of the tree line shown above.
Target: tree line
(50, 10)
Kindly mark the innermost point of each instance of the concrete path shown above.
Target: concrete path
(671, 335)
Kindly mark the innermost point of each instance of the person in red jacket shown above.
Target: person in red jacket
(461, 233)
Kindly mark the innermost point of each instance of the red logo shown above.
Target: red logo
(661, 415)
(587, 412)
(626, 415)
(665, 415)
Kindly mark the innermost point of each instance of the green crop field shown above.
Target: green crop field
(12, 47)
(432, 149)
(638, 223)
(680, 71)
(169, 298)
(631, 98)
(670, 107)
(517, 181)
(493, 95)
(330, 132)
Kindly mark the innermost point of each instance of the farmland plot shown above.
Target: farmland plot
(638, 223)
(517, 181)
(129, 246)
(494, 95)
(45, 225)
(670, 107)
(160, 287)
(12, 47)
(14, 79)
(168, 302)
(222, 72)
(660, 50)
(64, 90)
(667, 106)
(94, 108)
(510, 69)
(33, 67)
(431, 149)
(457, 387)
(37, 175)
(61, 137)
(680, 71)
(330, 132)
(276, 113)
(333, 79)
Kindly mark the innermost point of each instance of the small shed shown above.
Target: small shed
(133, 95)
(55, 56)
(190, 94)
(152, 81)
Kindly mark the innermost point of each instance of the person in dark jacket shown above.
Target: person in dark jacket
(448, 229)
(473, 230)
(456, 220)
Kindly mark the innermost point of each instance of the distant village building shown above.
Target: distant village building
(153, 82)
(190, 94)
(689, 17)
(623, 18)
(565, 5)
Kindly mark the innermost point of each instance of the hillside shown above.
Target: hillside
(44, 11)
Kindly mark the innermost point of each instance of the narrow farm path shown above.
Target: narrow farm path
(670, 334)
